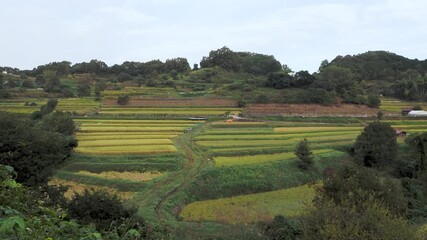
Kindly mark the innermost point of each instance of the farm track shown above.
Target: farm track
(156, 197)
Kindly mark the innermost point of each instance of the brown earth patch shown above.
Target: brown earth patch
(310, 110)
(173, 102)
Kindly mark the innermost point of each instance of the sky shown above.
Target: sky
(299, 34)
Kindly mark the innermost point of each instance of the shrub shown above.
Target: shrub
(374, 101)
(281, 228)
(123, 99)
(100, 208)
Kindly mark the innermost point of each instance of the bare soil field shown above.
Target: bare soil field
(173, 102)
(350, 110)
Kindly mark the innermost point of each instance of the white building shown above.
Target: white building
(417, 113)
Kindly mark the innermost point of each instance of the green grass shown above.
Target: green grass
(260, 159)
(258, 143)
(251, 208)
(214, 183)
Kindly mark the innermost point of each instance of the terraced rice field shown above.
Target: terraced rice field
(251, 208)
(77, 105)
(168, 111)
(128, 136)
(140, 91)
(395, 106)
(18, 105)
(123, 156)
(256, 158)
(84, 105)
(75, 187)
(260, 159)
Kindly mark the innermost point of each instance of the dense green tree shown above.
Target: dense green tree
(223, 57)
(279, 80)
(303, 78)
(179, 65)
(360, 184)
(373, 101)
(418, 145)
(48, 108)
(60, 122)
(123, 77)
(336, 79)
(31, 151)
(304, 154)
(258, 64)
(61, 68)
(358, 203)
(52, 83)
(376, 146)
(367, 220)
(83, 90)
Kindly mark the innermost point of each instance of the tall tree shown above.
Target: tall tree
(376, 146)
(304, 154)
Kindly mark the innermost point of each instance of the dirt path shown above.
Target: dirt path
(152, 201)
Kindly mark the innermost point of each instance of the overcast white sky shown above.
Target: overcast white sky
(298, 33)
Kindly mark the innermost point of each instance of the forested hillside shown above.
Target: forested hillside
(244, 76)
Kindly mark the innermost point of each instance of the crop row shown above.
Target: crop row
(273, 136)
(145, 149)
(236, 143)
(261, 158)
(251, 208)
(123, 142)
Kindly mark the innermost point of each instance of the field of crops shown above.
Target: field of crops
(17, 105)
(168, 111)
(140, 91)
(128, 136)
(395, 106)
(123, 156)
(254, 174)
(173, 102)
(77, 105)
(251, 208)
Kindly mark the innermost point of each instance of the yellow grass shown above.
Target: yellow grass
(124, 142)
(145, 149)
(251, 208)
(75, 187)
(133, 176)
(261, 158)
(130, 129)
(86, 137)
(315, 129)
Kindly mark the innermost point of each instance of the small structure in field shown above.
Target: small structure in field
(405, 111)
(417, 113)
(197, 118)
(400, 133)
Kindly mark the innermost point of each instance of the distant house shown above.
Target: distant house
(417, 113)
(400, 133)
(4, 72)
(405, 111)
